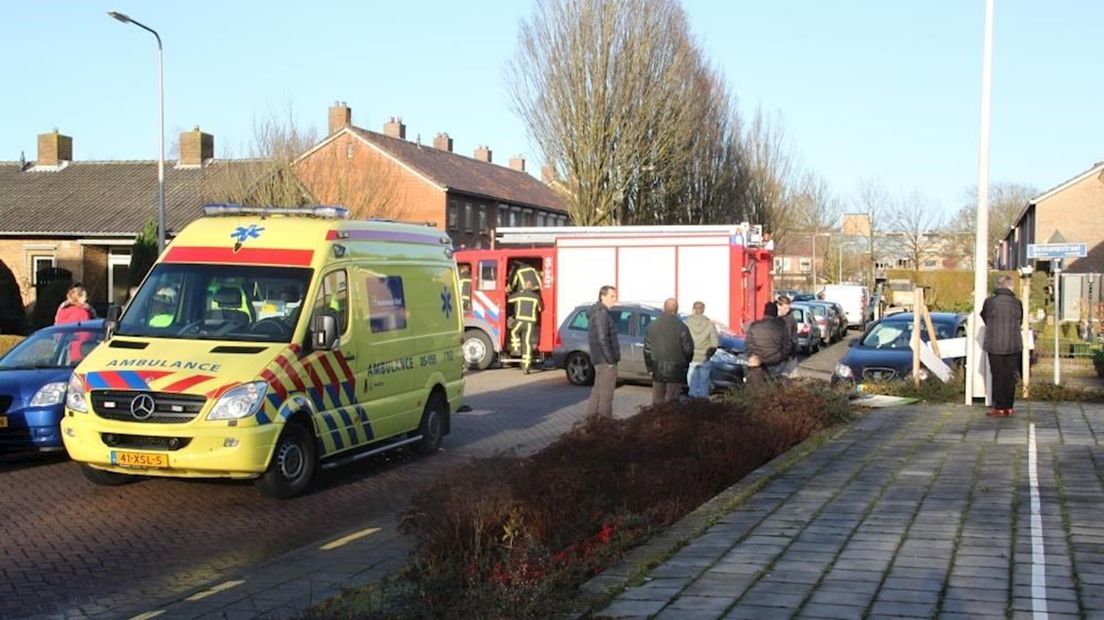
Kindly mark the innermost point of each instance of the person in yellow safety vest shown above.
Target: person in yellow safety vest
(465, 288)
(527, 308)
(525, 278)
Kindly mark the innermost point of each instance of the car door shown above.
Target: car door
(632, 344)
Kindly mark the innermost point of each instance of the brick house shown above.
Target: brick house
(386, 175)
(84, 215)
(1074, 210)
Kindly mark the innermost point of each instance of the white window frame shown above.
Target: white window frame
(34, 258)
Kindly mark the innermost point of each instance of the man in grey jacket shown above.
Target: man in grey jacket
(704, 333)
(605, 352)
(1003, 315)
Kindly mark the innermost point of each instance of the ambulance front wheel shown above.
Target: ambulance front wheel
(478, 350)
(103, 478)
(293, 464)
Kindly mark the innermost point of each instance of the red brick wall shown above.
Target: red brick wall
(350, 172)
(1078, 213)
(17, 253)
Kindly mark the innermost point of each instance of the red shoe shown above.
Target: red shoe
(1007, 412)
(995, 413)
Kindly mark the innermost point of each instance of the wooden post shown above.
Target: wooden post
(1025, 373)
(932, 336)
(917, 304)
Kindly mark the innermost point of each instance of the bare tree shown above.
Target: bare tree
(1006, 202)
(874, 202)
(604, 87)
(917, 222)
(771, 177)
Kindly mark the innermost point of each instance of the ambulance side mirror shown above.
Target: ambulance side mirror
(323, 332)
(111, 321)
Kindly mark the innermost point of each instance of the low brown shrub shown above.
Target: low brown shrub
(514, 537)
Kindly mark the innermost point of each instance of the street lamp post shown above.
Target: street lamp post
(161, 133)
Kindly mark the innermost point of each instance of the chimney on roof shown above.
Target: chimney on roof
(483, 153)
(517, 162)
(395, 128)
(442, 142)
(341, 116)
(54, 148)
(548, 174)
(196, 147)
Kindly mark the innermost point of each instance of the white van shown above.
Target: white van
(854, 298)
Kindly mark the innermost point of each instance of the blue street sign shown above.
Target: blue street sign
(1048, 251)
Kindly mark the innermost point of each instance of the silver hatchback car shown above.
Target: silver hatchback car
(572, 352)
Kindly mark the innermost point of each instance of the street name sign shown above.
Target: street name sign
(1047, 251)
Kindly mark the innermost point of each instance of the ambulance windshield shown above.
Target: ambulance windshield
(217, 302)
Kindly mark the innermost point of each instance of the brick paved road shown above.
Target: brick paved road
(74, 550)
(922, 511)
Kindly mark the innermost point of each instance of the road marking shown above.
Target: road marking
(1038, 553)
(199, 596)
(348, 539)
(148, 615)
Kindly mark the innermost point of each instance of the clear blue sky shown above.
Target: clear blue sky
(864, 89)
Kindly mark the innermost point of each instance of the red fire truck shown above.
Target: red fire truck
(723, 266)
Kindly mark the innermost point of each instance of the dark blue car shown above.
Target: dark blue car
(883, 352)
(34, 376)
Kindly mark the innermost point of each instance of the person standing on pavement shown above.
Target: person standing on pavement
(605, 352)
(1003, 316)
(790, 365)
(768, 345)
(704, 333)
(668, 349)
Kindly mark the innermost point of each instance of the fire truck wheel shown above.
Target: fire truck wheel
(579, 369)
(292, 465)
(103, 478)
(478, 350)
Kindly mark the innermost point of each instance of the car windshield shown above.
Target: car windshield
(217, 302)
(896, 334)
(56, 349)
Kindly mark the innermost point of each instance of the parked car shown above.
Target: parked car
(808, 337)
(819, 311)
(572, 352)
(883, 352)
(836, 311)
(34, 376)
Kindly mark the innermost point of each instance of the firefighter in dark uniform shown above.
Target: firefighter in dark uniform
(465, 288)
(527, 308)
(525, 278)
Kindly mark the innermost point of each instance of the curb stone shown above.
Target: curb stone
(597, 592)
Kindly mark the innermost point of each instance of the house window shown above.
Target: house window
(482, 218)
(503, 216)
(778, 263)
(806, 264)
(540, 219)
(931, 264)
(469, 215)
(41, 261)
(453, 215)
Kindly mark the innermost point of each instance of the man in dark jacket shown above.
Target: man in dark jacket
(668, 349)
(605, 352)
(1003, 315)
(768, 343)
(783, 305)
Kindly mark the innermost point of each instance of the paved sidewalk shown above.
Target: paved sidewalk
(918, 511)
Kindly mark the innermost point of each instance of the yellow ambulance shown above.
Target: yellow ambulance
(267, 343)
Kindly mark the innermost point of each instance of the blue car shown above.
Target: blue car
(34, 376)
(883, 352)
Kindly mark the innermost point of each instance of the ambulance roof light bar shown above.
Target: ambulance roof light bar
(321, 211)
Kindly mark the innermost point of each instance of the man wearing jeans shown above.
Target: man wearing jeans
(704, 333)
(605, 352)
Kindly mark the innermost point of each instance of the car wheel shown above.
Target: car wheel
(579, 369)
(432, 427)
(293, 463)
(478, 350)
(103, 478)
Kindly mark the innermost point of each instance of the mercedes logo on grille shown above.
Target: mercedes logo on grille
(142, 406)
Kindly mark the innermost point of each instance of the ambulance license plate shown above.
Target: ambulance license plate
(3, 421)
(139, 459)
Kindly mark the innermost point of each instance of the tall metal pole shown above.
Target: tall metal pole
(1057, 316)
(981, 238)
(161, 232)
